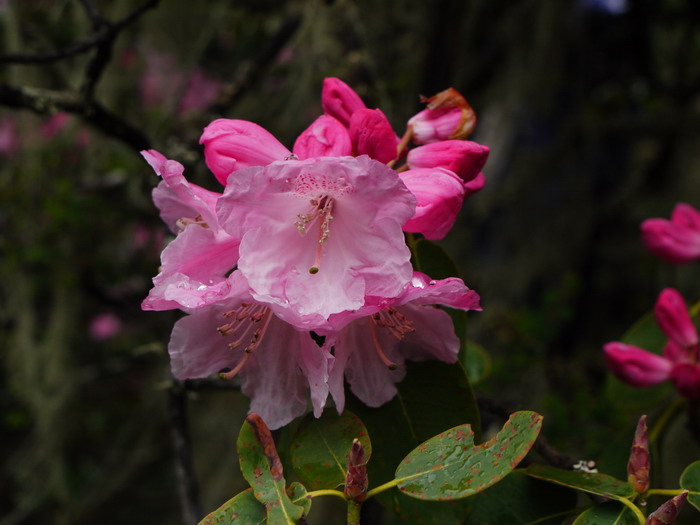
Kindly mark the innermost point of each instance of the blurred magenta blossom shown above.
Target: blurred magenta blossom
(9, 136)
(676, 241)
(105, 326)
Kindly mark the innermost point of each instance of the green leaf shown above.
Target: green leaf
(262, 469)
(477, 362)
(242, 509)
(595, 483)
(321, 446)
(608, 513)
(433, 396)
(298, 494)
(690, 481)
(519, 499)
(450, 466)
(431, 259)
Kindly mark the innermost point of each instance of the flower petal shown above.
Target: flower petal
(326, 137)
(635, 366)
(339, 100)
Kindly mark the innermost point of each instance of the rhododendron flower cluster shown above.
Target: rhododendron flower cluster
(296, 277)
(676, 241)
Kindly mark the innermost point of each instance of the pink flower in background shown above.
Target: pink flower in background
(9, 136)
(105, 326)
(279, 366)
(679, 363)
(448, 116)
(676, 241)
(371, 350)
(161, 80)
(201, 91)
(54, 125)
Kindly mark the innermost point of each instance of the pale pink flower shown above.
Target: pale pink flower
(200, 91)
(278, 365)
(371, 350)
(161, 81)
(439, 194)
(463, 157)
(231, 145)
(448, 116)
(325, 137)
(195, 264)
(105, 326)
(339, 100)
(676, 241)
(54, 125)
(319, 235)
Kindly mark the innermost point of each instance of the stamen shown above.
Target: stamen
(378, 347)
(231, 373)
(245, 318)
(183, 222)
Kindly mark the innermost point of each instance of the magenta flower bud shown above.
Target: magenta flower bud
(439, 194)
(475, 185)
(372, 135)
(673, 318)
(339, 100)
(448, 116)
(356, 481)
(325, 137)
(676, 241)
(635, 366)
(667, 513)
(639, 463)
(231, 145)
(463, 157)
(686, 379)
(675, 352)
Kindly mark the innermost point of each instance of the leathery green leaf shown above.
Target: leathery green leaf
(592, 482)
(608, 513)
(298, 494)
(450, 466)
(262, 469)
(321, 446)
(690, 481)
(242, 509)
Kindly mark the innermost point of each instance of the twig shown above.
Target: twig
(187, 481)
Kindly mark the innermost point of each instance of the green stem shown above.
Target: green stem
(635, 509)
(354, 512)
(665, 419)
(325, 492)
(664, 492)
(382, 488)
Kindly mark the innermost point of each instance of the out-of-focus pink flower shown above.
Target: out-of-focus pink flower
(639, 464)
(475, 185)
(195, 264)
(463, 157)
(318, 235)
(54, 125)
(161, 81)
(635, 366)
(339, 100)
(372, 135)
(371, 350)
(326, 137)
(676, 241)
(686, 378)
(439, 194)
(105, 326)
(9, 136)
(673, 318)
(278, 364)
(232, 145)
(448, 116)
(200, 91)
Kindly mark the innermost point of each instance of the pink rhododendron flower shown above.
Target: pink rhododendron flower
(105, 326)
(463, 157)
(232, 145)
(278, 365)
(636, 366)
(439, 194)
(326, 137)
(200, 91)
(54, 125)
(319, 235)
(673, 318)
(372, 135)
(339, 100)
(448, 116)
(195, 264)
(161, 80)
(371, 350)
(676, 241)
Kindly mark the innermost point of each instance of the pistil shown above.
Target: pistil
(320, 212)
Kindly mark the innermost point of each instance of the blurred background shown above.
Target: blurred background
(591, 109)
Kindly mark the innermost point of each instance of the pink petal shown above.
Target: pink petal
(686, 379)
(450, 292)
(448, 116)
(475, 185)
(463, 157)
(671, 242)
(439, 194)
(232, 145)
(676, 353)
(372, 135)
(685, 215)
(635, 366)
(673, 318)
(326, 137)
(339, 100)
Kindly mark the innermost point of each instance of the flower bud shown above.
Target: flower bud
(667, 513)
(475, 185)
(372, 135)
(448, 116)
(462, 157)
(676, 241)
(439, 194)
(635, 366)
(339, 100)
(356, 481)
(640, 462)
(673, 318)
(231, 145)
(325, 137)
(686, 379)
(675, 352)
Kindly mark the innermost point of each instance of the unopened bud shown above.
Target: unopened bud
(448, 116)
(667, 513)
(673, 318)
(639, 463)
(636, 366)
(356, 478)
(462, 157)
(339, 100)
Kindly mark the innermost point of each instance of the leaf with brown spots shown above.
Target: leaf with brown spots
(592, 482)
(262, 468)
(607, 513)
(243, 509)
(450, 466)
